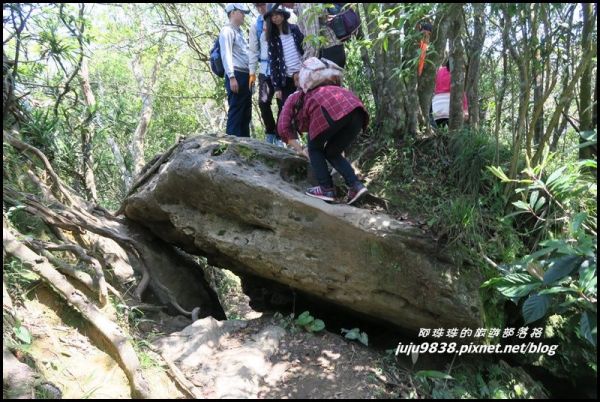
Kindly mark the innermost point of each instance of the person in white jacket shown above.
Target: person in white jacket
(234, 53)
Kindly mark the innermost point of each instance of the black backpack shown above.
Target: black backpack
(345, 21)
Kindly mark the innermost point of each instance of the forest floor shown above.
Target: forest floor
(69, 354)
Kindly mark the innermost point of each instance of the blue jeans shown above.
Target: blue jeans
(329, 145)
(240, 106)
(273, 139)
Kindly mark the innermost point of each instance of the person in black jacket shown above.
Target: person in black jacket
(285, 52)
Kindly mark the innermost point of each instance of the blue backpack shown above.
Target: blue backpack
(216, 63)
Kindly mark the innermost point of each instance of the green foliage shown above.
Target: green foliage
(559, 276)
(22, 333)
(18, 278)
(304, 321)
(309, 323)
(481, 380)
(471, 151)
(356, 334)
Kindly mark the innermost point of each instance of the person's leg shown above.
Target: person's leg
(440, 123)
(337, 54)
(317, 150)
(431, 119)
(232, 109)
(318, 161)
(245, 99)
(265, 97)
(238, 121)
(338, 142)
(289, 88)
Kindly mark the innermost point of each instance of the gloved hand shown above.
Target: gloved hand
(251, 81)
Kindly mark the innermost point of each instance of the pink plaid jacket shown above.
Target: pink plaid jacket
(338, 102)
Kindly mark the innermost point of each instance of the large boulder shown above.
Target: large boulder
(240, 203)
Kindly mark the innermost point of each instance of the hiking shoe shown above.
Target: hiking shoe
(325, 194)
(356, 191)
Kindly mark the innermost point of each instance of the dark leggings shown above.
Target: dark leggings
(337, 54)
(265, 98)
(286, 91)
(329, 145)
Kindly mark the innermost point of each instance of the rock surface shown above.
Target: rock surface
(240, 203)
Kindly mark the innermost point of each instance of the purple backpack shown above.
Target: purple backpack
(345, 21)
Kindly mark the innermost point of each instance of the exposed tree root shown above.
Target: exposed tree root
(61, 209)
(123, 352)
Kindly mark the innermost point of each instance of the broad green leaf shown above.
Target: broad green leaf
(540, 203)
(22, 334)
(316, 326)
(561, 267)
(533, 199)
(555, 175)
(588, 279)
(521, 205)
(351, 334)
(517, 285)
(535, 307)
(577, 221)
(364, 338)
(589, 327)
(304, 319)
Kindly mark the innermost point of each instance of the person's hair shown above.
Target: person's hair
(273, 31)
(446, 64)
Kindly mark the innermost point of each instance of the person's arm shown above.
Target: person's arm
(226, 43)
(295, 145)
(253, 50)
(284, 125)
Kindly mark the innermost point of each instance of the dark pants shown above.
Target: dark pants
(265, 98)
(287, 90)
(240, 106)
(439, 123)
(329, 145)
(337, 54)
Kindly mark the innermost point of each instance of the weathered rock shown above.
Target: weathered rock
(214, 364)
(240, 202)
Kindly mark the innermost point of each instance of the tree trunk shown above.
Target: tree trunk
(147, 88)
(120, 161)
(585, 84)
(499, 97)
(538, 100)
(87, 132)
(522, 63)
(391, 117)
(474, 56)
(439, 37)
(562, 105)
(457, 67)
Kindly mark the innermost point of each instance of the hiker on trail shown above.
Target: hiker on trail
(234, 53)
(333, 117)
(259, 53)
(312, 21)
(440, 104)
(285, 51)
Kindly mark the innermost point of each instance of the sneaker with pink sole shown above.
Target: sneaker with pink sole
(325, 194)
